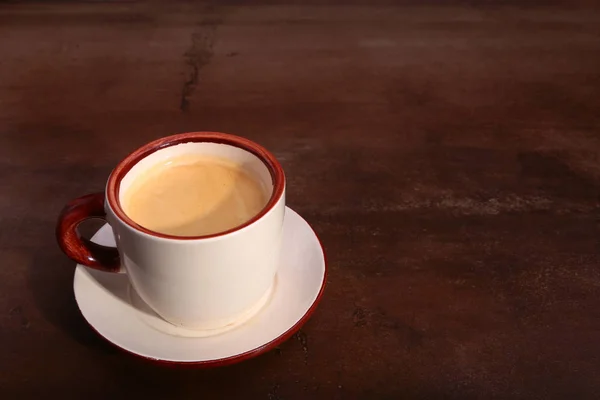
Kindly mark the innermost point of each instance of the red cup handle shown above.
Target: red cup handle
(80, 249)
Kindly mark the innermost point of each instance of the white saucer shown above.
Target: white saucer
(105, 303)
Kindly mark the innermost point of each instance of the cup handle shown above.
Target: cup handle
(78, 248)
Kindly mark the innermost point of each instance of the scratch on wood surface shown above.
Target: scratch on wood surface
(199, 53)
(303, 339)
(273, 394)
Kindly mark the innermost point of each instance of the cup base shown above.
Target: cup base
(152, 319)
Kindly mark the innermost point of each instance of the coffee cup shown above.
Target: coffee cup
(209, 280)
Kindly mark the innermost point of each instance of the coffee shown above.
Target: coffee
(194, 195)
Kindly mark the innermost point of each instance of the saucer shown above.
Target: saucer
(106, 303)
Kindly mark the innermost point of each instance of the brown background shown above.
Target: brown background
(447, 156)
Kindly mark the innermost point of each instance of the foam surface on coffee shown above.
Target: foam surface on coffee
(193, 195)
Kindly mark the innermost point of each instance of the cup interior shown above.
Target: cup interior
(254, 159)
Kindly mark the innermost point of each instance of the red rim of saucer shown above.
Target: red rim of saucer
(268, 159)
(221, 362)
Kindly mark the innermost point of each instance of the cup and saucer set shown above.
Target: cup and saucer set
(205, 300)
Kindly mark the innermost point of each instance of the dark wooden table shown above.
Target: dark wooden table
(448, 157)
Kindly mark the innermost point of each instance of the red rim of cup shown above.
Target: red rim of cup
(114, 181)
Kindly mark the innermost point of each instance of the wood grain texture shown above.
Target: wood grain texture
(447, 156)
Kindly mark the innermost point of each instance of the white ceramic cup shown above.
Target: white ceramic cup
(210, 282)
